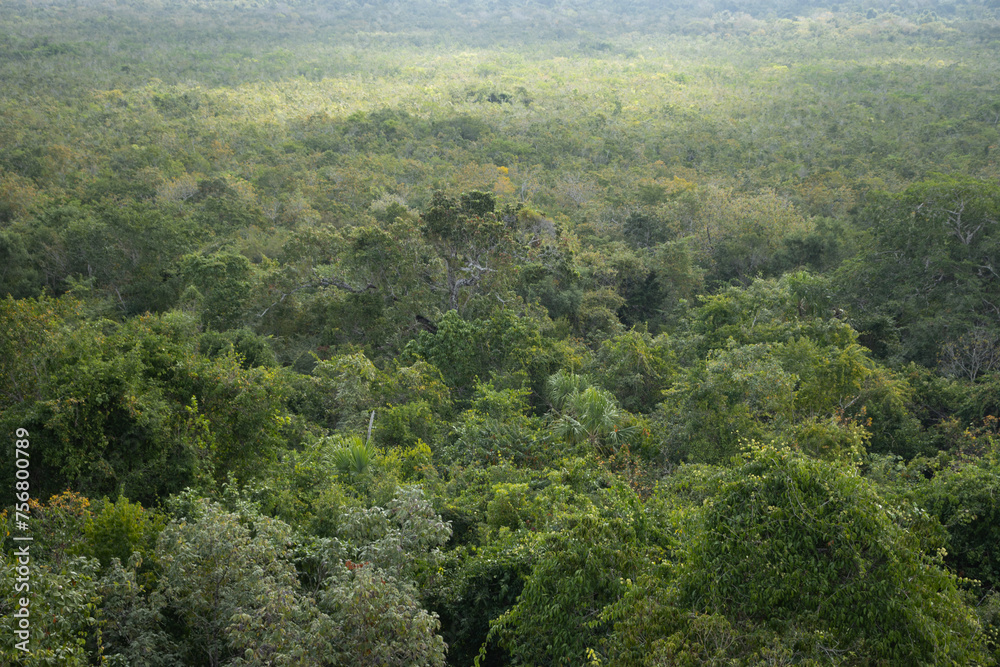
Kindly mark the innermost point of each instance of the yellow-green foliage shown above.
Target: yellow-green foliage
(121, 528)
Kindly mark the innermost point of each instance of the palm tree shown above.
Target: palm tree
(587, 413)
(355, 457)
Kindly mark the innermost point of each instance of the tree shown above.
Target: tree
(134, 620)
(636, 368)
(64, 609)
(134, 409)
(505, 344)
(224, 280)
(962, 497)
(126, 250)
(587, 414)
(933, 266)
(797, 542)
(403, 538)
(790, 555)
(581, 568)
(229, 580)
(120, 529)
(471, 240)
(378, 622)
(743, 234)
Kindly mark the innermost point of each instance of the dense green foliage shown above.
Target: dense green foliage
(450, 332)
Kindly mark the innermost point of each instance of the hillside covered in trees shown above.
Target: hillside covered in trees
(480, 332)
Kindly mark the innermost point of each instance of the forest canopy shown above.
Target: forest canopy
(427, 333)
